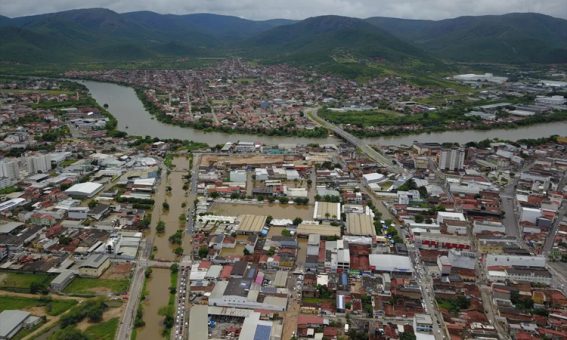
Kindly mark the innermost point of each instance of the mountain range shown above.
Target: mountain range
(92, 35)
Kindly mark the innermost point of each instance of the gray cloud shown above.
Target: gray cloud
(298, 9)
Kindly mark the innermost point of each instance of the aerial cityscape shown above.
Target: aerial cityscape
(323, 170)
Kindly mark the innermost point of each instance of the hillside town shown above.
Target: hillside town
(174, 239)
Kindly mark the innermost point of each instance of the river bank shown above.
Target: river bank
(133, 118)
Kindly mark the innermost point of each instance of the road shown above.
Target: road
(360, 144)
(508, 197)
(127, 323)
(549, 241)
(426, 284)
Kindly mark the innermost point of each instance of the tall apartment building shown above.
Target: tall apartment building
(38, 163)
(452, 159)
(9, 168)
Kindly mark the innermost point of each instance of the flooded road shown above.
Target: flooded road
(158, 294)
(176, 197)
(291, 211)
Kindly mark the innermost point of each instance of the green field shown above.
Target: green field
(83, 285)
(53, 307)
(21, 282)
(102, 331)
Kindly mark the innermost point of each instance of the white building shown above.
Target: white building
(530, 215)
(84, 190)
(474, 78)
(550, 101)
(9, 168)
(515, 260)
(38, 164)
(372, 178)
(452, 159)
(447, 215)
(238, 176)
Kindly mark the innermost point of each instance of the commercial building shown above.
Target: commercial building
(360, 224)
(422, 323)
(198, 319)
(12, 321)
(62, 280)
(84, 190)
(94, 265)
(238, 176)
(327, 211)
(368, 179)
(250, 224)
(515, 260)
(253, 328)
(324, 229)
(390, 263)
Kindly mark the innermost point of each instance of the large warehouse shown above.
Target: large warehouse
(84, 190)
(327, 211)
(390, 263)
(360, 224)
(251, 224)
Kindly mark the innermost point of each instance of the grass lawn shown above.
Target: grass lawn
(53, 307)
(103, 331)
(316, 300)
(83, 285)
(21, 281)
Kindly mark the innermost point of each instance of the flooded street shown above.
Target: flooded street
(290, 211)
(175, 198)
(158, 293)
(170, 190)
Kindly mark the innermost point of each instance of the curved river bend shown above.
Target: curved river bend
(133, 118)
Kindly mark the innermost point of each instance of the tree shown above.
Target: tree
(165, 205)
(407, 336)
(203, 252)
(69, 333)
(283, 200)
(271, 251)
(246, 252)
(286, 233)
(297, 221)
(160, 228)
(178, 251)
(419, 218)
(174, 268)
(92, 204)
(38, 288)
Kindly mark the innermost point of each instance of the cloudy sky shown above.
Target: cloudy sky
(298, 9)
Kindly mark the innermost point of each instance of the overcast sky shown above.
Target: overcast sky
(298, 9)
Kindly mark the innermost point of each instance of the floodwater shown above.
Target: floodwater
(275, 210)
(175, 198)
(134, 119)
(158, 294)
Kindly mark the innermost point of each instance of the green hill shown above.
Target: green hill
(509, 38)
(321, 38)
(348, 45)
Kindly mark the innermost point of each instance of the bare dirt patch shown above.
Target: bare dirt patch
(118, 271)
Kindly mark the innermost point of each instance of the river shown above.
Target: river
(135, 120)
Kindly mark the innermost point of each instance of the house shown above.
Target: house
(94, 265)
